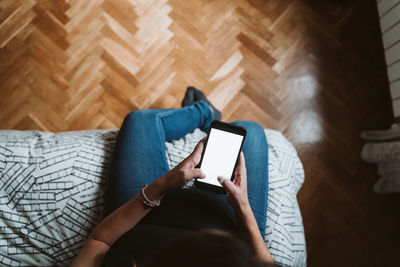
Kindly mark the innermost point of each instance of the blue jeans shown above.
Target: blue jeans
(139, 155)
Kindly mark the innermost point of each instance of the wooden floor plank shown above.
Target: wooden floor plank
(312, 69)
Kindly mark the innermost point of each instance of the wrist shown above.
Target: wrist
(245, 216)
(244, 209)
(157, 189)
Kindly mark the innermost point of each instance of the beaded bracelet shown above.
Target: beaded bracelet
(147, 203)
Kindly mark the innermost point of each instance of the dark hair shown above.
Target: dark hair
(205, 248)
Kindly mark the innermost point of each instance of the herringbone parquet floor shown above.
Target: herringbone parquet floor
(311, 69)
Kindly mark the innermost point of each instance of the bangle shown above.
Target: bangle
(147, 203)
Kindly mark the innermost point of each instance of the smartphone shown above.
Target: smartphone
(221, 154)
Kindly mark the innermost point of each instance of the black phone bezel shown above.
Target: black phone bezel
(228, 128)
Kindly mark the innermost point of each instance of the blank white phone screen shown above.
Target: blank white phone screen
(220, 156)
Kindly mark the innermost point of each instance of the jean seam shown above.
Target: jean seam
(204, 118)
(162, 136)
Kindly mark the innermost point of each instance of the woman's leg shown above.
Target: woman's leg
(139, 155)
(255, 149)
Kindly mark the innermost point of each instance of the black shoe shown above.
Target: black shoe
(193, 94)
(189, 97)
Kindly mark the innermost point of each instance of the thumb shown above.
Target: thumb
(226, 183)
(195, 157)
(197, 173)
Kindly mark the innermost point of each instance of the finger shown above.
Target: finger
(243, 174)
(226, 183)
(196, 154)
(197, 173)
(239, 165)
(242, 162)
(237, 180)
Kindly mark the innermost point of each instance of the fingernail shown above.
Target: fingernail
(221, 179)
(203, 174)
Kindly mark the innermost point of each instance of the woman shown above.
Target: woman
(190, 227)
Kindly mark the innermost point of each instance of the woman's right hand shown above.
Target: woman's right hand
(179, 176)
(236, 191)
(186, 171)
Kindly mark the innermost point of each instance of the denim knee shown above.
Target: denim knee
(252, 128)
(138, 115)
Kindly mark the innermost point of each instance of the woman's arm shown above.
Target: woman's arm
(127, 216)
(115, 225)
(237, 197)
(109, 230)
(252, 233)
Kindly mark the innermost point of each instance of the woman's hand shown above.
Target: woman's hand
(236, 191)
(186, 171)
(179, 176)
